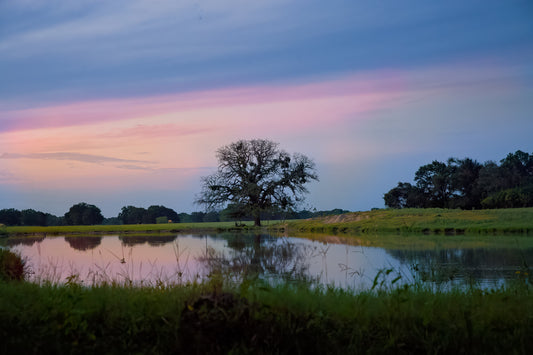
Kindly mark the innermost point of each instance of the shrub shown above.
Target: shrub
(12, 266)
(161, 220)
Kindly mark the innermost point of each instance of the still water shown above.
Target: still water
(347, 263)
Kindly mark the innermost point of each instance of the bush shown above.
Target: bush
(12, 266)
(510, 198)
(161, 220)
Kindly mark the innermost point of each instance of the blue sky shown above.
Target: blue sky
(125, 102)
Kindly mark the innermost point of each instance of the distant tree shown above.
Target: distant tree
(83, 214)
(185, 217)
(464, 181)
(434, 181)
(211, 216)
(304, 214)
(518, 169)
(32, 218)
(404, 195)
(10, 217)
(131, 215)
(112, 221)
(467, 184)
(197, 217)
(256, 176)
(138, 215)
(162, 220)
(491, 179)
(233, 212)
(510, 198)
(159, 211)
(52, 220)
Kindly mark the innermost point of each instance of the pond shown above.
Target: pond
(349, 262)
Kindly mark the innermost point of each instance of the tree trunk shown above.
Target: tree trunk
(257, 218)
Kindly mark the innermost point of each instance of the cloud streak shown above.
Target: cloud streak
(78, 157)
(358, 88)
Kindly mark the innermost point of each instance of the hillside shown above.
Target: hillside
(426, 221)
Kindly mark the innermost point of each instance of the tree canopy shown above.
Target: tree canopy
(84, 214)
(467, 184)
(255, 176)
(140, 215)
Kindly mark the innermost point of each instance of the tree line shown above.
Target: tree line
(87, 214)
(468, 184)
(255, 180)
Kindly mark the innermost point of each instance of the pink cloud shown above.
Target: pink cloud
(156, 131)
(108, 110)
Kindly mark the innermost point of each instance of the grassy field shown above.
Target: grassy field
(422, 221)
(124, 228)
(386, 221)
(258, 319)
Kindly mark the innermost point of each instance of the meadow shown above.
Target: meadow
(382, 221)
(423, 221)
(169, 228)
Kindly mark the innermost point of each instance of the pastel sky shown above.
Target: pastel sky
(125, 102)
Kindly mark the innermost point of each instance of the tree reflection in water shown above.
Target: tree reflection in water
(258, 256)
(28, 241)
(153, 240)
(471, 265)
(83, 243)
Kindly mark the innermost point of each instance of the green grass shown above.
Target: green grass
(423, 221)
(259, 319)
(124, 228)
(384, 221)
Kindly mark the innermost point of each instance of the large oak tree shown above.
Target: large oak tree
(255, 176)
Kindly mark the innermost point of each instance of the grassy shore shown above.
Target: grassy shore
(385, 221)
(199, 319)
(125, 228)
(422, 221)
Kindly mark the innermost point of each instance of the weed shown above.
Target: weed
(12, 266)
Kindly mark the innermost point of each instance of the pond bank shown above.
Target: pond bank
(422, 221)
(428, 221)
(130, 229)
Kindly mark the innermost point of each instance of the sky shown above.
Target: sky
(125, 102)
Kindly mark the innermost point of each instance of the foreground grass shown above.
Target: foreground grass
(262, 319)
(423, 221)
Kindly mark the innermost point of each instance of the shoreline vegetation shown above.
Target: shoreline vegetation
(261, 319)
(423, 221)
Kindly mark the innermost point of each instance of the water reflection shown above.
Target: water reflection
(259, 255)
(83, 243)
(176, 259)
(29, 241)
(475, 265)
(153, 240)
